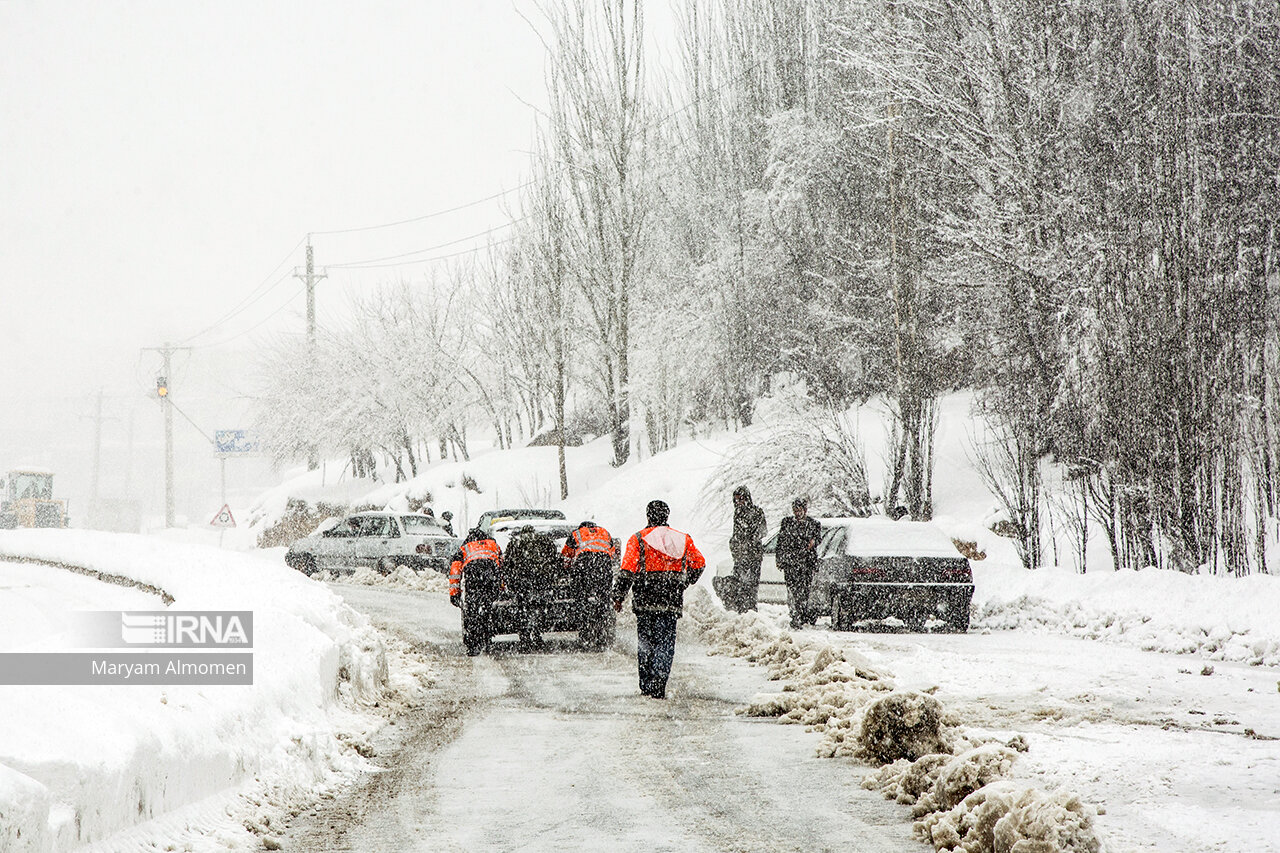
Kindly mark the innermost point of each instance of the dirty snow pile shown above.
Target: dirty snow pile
(956, 782)
(82, 764)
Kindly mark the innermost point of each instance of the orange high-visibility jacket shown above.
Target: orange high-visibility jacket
(659, 562)
(480, 549)
(589, 539)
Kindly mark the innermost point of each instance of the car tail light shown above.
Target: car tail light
(867, 571)
(423, 548)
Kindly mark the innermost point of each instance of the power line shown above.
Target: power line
(249, 299)
(470, 251)
(427, 215)
(367, 262)
(255, 326)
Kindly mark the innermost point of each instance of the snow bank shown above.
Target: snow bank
(79, 764)
(953, 780)
(1217, 617)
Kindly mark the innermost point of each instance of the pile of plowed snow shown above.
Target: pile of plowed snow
(955, 781)
(68, 753)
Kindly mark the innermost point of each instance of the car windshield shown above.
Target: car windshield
(38, 486)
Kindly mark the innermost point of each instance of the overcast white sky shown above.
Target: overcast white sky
(158, 160)
(162, 161)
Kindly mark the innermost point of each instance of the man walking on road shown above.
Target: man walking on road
(747, 549)
(658, 565)
(797, 556)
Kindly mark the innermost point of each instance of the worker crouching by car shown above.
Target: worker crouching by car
(658, 565)
(474, 583)
(590, 550)
(530, 566)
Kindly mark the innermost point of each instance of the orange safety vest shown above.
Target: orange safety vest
(662, 549)
(480, 549)
(589, 540)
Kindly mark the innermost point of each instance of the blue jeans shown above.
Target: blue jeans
(655, 649)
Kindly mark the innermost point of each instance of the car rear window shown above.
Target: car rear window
(419, 526)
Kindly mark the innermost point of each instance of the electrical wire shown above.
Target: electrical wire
(426, 216)
(249, 299)
(255, 326)
(367, 262)
(470, 251)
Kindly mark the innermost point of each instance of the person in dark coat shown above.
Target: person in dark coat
(446, 521)
(797, 555)
(658, 565)
(530, 566)
(746, 546)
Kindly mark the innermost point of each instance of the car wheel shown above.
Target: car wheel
(958, 620)
(386, 565)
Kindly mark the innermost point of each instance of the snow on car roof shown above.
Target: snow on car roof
(543, 524)
(883, 537)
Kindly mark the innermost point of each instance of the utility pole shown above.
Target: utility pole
(162, 391)
(310, 277)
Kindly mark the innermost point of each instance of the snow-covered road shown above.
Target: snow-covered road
(557, 751)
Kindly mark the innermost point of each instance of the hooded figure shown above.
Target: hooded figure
(659, 564)
(746, 545)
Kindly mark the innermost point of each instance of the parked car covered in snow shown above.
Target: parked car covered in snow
(873, 570)
(375, 540)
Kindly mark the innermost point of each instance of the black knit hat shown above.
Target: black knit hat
(657, 512)
(742, 492)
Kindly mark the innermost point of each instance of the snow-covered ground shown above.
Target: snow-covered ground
(82, 763)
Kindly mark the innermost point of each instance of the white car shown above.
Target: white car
(375, 540)
(875, 569)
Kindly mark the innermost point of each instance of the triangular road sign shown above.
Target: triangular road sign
(223, 518)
